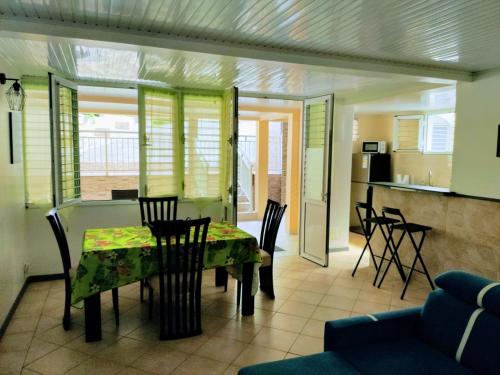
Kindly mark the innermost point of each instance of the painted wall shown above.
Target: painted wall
(341, 175)
(13, 252)
(476, 168)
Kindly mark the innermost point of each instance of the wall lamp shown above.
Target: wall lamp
(15, 94)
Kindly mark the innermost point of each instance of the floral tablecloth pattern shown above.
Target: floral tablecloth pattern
(113, 257)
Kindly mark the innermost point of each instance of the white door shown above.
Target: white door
(316, 179)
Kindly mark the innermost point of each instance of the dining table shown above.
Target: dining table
(114, 257)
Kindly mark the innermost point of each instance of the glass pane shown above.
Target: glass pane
(315, 126)
(69, 144)
(161, 145)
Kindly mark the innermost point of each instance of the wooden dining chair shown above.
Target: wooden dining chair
(269, 231)
(155, 209)
(58, 229)
(180, 250)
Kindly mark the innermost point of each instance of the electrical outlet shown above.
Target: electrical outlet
(26, 268)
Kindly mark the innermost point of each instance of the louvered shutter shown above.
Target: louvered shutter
(440, 129)
(407, 135)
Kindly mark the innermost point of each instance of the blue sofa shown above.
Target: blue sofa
(456, 331)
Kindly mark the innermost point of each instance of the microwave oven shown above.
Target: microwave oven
(373, 147)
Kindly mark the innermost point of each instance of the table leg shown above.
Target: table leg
(247, 303)
(220, 276)
(93, 318)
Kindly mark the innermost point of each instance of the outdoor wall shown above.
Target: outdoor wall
(476, 168)
(274, 182)
(99, 187)
(13, 253)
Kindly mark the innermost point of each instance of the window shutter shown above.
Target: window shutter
(407, 134)
(159, 142)
(440, 129)
(202, 146)
(36, 142)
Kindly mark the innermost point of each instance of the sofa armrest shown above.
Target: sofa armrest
(388, 326)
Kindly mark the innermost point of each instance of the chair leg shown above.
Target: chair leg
(392, 259)
(67, 312)
(266, 280)
(116, 309)
(151, 301)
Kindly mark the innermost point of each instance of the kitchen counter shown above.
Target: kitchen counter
(425, 188)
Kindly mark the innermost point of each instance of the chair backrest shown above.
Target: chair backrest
(462, 320)
(270, 224)
(58, 229)
(158, 209)
(369, 212)
(180, 252)
(394, 212)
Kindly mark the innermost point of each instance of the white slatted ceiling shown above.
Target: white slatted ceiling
(454, 33)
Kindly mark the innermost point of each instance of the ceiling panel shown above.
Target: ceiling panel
(99, 61)
(458, 34)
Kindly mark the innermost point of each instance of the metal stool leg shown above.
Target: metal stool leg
(387, 245)
(391, 259)
(367, 245)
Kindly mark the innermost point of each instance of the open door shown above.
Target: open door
(316, 179)
(63, 95)
(230, 198)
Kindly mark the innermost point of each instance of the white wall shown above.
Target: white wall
(341, 175)
(476, 169)
(13, 253)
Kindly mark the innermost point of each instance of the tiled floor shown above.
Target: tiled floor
(289, 326)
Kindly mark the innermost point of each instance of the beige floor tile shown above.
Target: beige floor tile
(305, 345)
(11, 362)
(220, 309)
(221, 349)
(297, 275)
(297, 308)
(26, 309)
(288, 322)
(125, 350)
(364, 307)
(344, 291)
(275, 339)
(38, 349)
(196, 365)
(375, 295)
(313, 286)
(231, 370)
(306, 297)
(238, 330)
(321, 278)
(338, 302)
(260, 317)
(327, 313)
(211, 324)
(257, 354)
(127, 325)
(79, 344)
(133, 371)
(96, 366)
(188, 345)
(291, 355)
(314, 328)
(25, 371)
(160, 362)
(282, 292)
(58, 362)
(22, 325)
(59, 336)
(265, 303)
(45, 323)
(15, 342)
(284, 281)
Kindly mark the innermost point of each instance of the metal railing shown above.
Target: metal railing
(245, 178)
(109, 153)
(247, 145)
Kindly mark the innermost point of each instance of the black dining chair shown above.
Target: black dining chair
(155, 209)
(269, 231)
(180, 246)
(58, 229)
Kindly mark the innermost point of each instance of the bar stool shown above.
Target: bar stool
(371, 217)
(411, 229)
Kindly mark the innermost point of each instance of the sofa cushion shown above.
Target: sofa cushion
(407, 356)
(322, 363)
(443, 321)
(473, 289)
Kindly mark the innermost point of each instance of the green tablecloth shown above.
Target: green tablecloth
(114, 257)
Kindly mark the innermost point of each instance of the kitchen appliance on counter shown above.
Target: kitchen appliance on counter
(373, 147)
(368, 167)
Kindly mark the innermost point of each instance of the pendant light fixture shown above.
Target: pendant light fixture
(15, 94)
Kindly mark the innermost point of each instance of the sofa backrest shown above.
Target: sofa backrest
(462, 320)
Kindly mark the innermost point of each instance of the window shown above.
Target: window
(439, 133)
(408, 132)
(36, 142)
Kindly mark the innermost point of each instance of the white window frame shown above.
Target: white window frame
(421, 132)
(426, 134)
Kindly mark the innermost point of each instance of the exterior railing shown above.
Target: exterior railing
(245, 178)
(109, 153)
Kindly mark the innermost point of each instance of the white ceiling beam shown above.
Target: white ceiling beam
(174, 42)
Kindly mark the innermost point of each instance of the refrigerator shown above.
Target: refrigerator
(371, 167)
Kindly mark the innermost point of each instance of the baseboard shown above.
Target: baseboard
(13, 308)
(29, 279)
